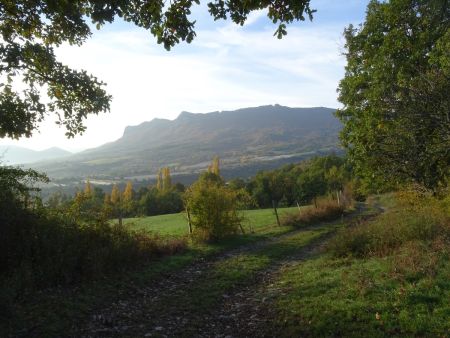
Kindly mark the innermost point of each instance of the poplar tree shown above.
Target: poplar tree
(107, 199)
(88, 192)
(159, 180)
(214, 167)
(166, 179)
(128, 192)
(115, 195)
(116, 201)
(128, 199)
(107, 206)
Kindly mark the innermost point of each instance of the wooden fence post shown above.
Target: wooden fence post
(276, 212)
(189, 221)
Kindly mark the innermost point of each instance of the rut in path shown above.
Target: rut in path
(160, 309)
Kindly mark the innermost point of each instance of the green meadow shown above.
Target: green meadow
(176, 224)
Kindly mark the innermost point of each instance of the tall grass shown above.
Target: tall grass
(326, 210)
(39, 250)
(416, 218)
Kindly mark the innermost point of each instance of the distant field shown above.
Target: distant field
(176, 224)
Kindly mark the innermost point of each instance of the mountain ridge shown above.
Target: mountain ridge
(13, 155)
(240, 137)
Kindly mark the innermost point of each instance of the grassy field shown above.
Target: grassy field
(176, 224)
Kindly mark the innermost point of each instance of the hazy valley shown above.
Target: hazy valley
(246, 140)
(266, 221)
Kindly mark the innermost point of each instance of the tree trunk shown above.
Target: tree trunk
(276, 212)
(298, 206)
(338, 195)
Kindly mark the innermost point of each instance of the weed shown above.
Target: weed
(409, 221)
(326, 210)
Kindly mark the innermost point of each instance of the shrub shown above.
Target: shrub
(326, 210)
(416, 217)
(40, 250)
(213, 209)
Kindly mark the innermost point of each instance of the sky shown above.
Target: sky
(226, 67)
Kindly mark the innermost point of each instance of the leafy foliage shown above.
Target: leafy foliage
(395, 92)
(31, 29)
(212, 207)
(16, 184)
(415, 217)
(153, 201)
(73, 94)
(300, 183)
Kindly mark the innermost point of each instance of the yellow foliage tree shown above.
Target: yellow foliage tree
(212, 208)
(115, 195)
(163, 179)
(88, 192)
(166, 179)
(107, 199)
(159, 180)
(214, 168)
(116, 201)
(128, 192)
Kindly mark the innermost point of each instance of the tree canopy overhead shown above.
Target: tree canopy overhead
(31, 29)
(396, 92)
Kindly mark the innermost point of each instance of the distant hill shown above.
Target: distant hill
(21, 155)
(245, 139)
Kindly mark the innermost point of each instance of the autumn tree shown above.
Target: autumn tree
(107, 208)
(212, 208)
(115, 195)
(159, 180)
(128, 199)
(88, 192)
(166, 179)
(395, 93)
(116, 202)
(214, 167)
(163, 179)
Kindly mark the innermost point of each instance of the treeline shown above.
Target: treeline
(291, 185)
(93, 202)
(298, 184)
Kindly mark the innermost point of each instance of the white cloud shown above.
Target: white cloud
(225, 68)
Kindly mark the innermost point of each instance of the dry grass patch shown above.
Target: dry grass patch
(326, 210)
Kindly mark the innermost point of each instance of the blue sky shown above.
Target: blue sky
(226, 67)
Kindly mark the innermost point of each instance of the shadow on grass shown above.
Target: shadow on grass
(233, 262)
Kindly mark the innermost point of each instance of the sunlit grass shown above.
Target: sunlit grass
(177, 225)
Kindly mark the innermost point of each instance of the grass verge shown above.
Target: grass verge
(389, 276)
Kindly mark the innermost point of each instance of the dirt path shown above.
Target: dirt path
(160, 309)
(247, 312)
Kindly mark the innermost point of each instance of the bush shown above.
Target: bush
(416, 217)
(40, 250)
(213, 209)
(326, 210)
